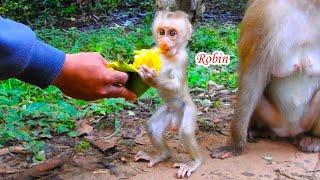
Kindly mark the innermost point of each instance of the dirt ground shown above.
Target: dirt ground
(112, 157)
(265, 159)
(287, 163)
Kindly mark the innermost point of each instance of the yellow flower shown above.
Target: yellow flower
(148, 57)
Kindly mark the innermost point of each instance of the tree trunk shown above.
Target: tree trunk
(194, 8)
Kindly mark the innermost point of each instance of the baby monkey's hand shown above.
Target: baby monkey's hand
(148, 75)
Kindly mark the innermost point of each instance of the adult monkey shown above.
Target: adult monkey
(279, 75)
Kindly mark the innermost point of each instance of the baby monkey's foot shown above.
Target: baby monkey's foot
(185, 170)
(153, 159)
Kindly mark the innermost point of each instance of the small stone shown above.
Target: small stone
(248, 174)
(268, 158)
(131, 113)
(206, 103)
(123, 160)
(224, 91)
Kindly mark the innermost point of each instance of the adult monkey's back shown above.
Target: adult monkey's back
(279, 75)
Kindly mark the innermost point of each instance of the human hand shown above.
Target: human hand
(86, 76)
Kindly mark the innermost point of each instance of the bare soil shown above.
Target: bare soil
(265, 159)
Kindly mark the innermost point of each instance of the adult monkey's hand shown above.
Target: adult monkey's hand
(86, 76)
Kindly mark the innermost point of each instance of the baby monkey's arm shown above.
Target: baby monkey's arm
(151, 77)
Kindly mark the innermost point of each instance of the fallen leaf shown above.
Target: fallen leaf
(83, 127)
(212, 86)
(102, 144)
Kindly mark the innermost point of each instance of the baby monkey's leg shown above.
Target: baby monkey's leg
(156, 126)
(187, 134)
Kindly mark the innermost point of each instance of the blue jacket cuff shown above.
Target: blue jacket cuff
(44, 66)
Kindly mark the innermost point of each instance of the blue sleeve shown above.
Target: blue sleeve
(24, 57)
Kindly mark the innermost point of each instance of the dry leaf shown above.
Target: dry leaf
(84, 127)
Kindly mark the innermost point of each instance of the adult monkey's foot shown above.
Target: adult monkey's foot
(222, 153)
(307, 143)
(225, 152)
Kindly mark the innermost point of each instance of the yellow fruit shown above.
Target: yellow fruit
(148, 57)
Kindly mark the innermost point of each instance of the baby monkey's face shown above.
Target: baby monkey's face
(171, 31)
(167, 39)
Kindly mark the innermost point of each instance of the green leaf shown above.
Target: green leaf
(46, 133)
(62, 128)
(34, 146)
(136, 85)
(68, 108)
(40, 156)
(73, 134)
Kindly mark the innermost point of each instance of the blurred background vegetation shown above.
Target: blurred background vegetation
(114, 28)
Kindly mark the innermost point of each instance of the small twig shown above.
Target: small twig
(47, 165)
(117, 127)
(12, 149)
(210, 150)
(313, 171)
(10, 171)
(280, 173)
(220, 132)
(197, 90)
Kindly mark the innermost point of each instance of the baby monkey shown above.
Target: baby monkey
(172, 31)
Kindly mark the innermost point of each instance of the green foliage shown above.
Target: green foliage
(34, 146)
(208, 39)
(82, 146)
(50, 13)
(28, 114)
(113, 44)
(107, 106)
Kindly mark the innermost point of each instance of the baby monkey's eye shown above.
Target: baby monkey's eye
(162, 32)
(173, 32)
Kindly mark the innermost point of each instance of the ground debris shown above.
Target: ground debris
(268, 158)
(102, 144)
(9, 171)
(248, 174)
(47, 165)
(84, 128)
(12, 149)
(131, 133)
